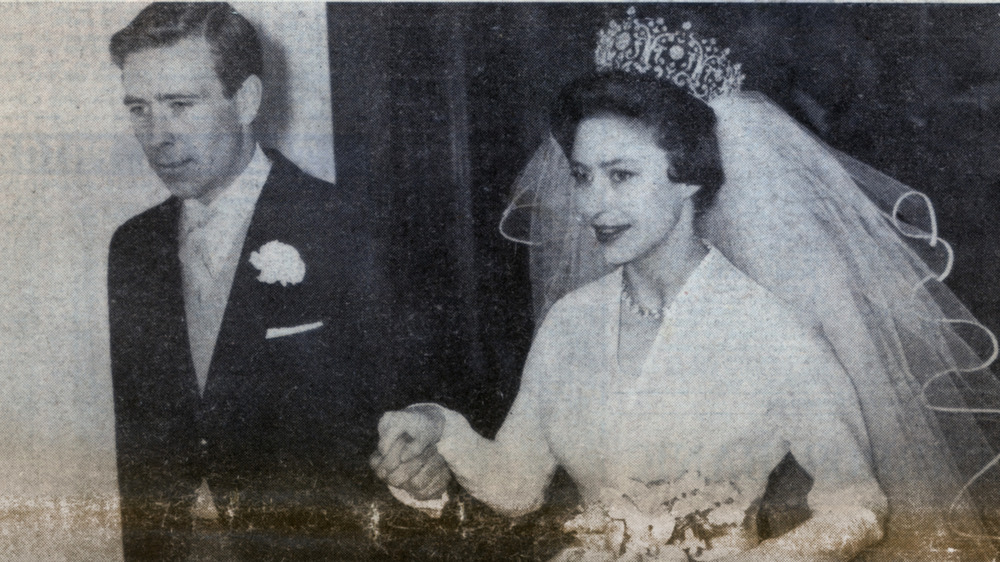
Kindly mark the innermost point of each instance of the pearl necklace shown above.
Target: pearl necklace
(638, 308)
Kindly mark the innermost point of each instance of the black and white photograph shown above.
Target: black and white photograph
(556, 282)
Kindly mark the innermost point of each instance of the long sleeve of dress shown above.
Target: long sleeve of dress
(827, 435)
(825, 431)
(509, 473)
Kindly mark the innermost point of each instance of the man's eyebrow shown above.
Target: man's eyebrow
(129, 100)
(174, 97)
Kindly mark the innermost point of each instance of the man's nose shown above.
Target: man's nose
(161, 129)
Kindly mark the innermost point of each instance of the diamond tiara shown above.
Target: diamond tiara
(646, 46)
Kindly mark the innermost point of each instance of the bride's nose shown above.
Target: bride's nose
(595, 197)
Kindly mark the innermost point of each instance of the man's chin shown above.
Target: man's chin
(183, 190)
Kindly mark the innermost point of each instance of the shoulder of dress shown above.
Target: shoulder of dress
(583, 307)
(742, 296)
(594, 295)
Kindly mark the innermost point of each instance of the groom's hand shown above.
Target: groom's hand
(431, 481)
(406, 457)
(424, 477)
(396, 472)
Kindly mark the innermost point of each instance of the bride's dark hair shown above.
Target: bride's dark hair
(684, 125)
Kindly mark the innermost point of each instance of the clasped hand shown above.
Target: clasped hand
(407, 457)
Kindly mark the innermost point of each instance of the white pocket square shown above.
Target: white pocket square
(279, 332)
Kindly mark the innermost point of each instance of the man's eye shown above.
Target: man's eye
(137, 110)
(619, 176)
(179, 106)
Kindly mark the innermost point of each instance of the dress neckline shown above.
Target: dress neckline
(690, 287)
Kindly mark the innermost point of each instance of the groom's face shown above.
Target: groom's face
(190, 131)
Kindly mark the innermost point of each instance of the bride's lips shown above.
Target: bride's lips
(608, 234)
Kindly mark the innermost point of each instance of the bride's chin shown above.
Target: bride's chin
(617, 257)
(615, 264)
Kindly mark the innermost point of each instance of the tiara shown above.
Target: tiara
(646, 46)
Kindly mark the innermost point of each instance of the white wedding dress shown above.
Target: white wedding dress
(733, 382)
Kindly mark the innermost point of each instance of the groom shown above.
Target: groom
(248, 340)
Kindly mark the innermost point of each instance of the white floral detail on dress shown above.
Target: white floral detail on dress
(278, 263)
(691, 516)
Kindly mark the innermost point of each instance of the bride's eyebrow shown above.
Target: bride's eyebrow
(603, 165)
(615, 162)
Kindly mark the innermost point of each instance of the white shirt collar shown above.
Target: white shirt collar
(237, 197)
(222, 222)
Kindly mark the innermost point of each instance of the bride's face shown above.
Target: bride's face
(623, 190)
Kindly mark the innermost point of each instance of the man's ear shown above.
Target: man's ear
(248, 99)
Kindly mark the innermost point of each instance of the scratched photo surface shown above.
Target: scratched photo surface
(394, 138)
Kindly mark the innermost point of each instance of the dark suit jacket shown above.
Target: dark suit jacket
(286, 425)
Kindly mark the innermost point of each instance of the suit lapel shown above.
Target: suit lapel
(168, 301)
(244, 322)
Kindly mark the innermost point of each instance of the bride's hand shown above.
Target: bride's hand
(406, 457)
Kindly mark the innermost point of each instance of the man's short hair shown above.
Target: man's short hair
(235, 48)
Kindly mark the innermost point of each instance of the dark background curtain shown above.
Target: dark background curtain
(437, 107)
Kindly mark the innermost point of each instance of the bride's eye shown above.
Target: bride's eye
(580, 177)
(620, 176)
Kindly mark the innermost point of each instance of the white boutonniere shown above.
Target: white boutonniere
(278, 263)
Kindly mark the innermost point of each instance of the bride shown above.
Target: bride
(727, 298)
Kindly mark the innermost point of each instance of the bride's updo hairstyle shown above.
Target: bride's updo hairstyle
(684, 126)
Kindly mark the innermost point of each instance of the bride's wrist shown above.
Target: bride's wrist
(433, 414)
